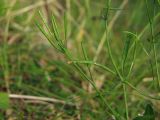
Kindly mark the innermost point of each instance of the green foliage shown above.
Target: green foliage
(4, 101)
(148, 115)
(2, 116)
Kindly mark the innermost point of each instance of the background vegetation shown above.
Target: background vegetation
(105, 65)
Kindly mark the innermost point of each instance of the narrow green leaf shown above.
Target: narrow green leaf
(148, 115)
(46, 35)
(149, 111)
(84, 51)
(65, 26)
(127, 46)
(55, 28)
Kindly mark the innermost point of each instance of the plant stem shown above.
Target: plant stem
(125, 100)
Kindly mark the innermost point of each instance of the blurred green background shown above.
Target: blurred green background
(30, 66)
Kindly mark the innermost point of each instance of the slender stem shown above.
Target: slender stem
(125, 101)
(94, 63)
(110, 54)
(141, 92)
(93, 85)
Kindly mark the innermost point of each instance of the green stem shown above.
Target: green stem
(68, 54)
(96, 64)
(125, 100)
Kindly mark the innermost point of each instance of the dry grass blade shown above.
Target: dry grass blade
(28, 8)
(36, 98)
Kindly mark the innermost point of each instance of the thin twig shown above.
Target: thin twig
(36, 98)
